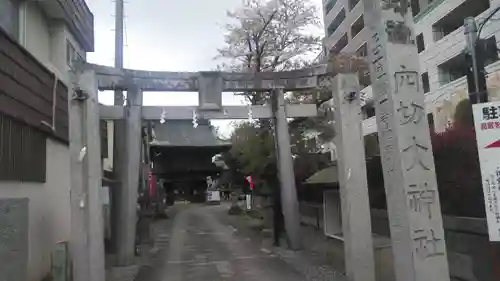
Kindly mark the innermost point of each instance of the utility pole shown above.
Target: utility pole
(476, 77)
(119, 15)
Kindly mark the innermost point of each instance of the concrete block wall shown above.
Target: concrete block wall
(49, 208)
(470, 254)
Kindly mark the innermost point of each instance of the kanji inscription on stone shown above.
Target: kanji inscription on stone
(13, 239)
(421, 198)
(405, 79)
(415, 152)
(415, 220)
(411, 113)
(427, 244)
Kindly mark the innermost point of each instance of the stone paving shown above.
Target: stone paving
(203, 248)
(149, 252)
(315, 262)
(200, 244)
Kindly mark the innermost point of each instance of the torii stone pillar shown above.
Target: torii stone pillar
(131, 168)
(290, 205)
(87, 234)
(356, 222)
(410, 181)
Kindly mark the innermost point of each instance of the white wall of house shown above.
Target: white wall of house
(49, 202)
(47, 39)
(49, 209)
(34, 31)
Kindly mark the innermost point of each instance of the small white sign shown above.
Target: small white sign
(104, 195)
(249, 201)
(213, 196)
(487, 124)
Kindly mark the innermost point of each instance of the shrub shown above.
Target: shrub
(235, 211)
(458, 172)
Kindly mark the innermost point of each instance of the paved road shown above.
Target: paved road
(202, 248)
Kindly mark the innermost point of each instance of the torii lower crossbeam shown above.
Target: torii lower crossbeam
(227, 112)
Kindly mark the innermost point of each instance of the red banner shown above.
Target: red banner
(250, 181)
(151, 184)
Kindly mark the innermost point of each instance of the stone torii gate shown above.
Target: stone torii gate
(413, 201)
(210, 86)
(85, 113)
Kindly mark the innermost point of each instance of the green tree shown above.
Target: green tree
(252, 153)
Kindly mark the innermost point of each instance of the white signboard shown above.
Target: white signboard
(487, 123)
(213, 196)
(248, 198)
(104, 195)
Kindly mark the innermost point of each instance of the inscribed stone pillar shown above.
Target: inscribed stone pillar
(412, 197)
(290, 205)
(356, 223)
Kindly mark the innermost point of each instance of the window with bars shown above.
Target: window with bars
(329, 6)
(425, 82)
(352, 4)
(334, 25)
(72, 55)
(23, 152)
(357, 26)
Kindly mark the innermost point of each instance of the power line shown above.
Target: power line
(490, 16)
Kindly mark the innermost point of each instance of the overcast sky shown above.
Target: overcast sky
(171, 35)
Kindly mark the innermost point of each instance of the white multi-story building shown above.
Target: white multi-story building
(39, 42)
(440, 41)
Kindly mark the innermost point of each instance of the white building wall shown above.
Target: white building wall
(330, 16)
(49, 202)
(442, 99)
(49, 209)
(437, 52)
(345, 27)
(46, 39)
(34, 31)
(58, 50)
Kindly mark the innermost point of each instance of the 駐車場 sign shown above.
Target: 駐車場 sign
(487, 124)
